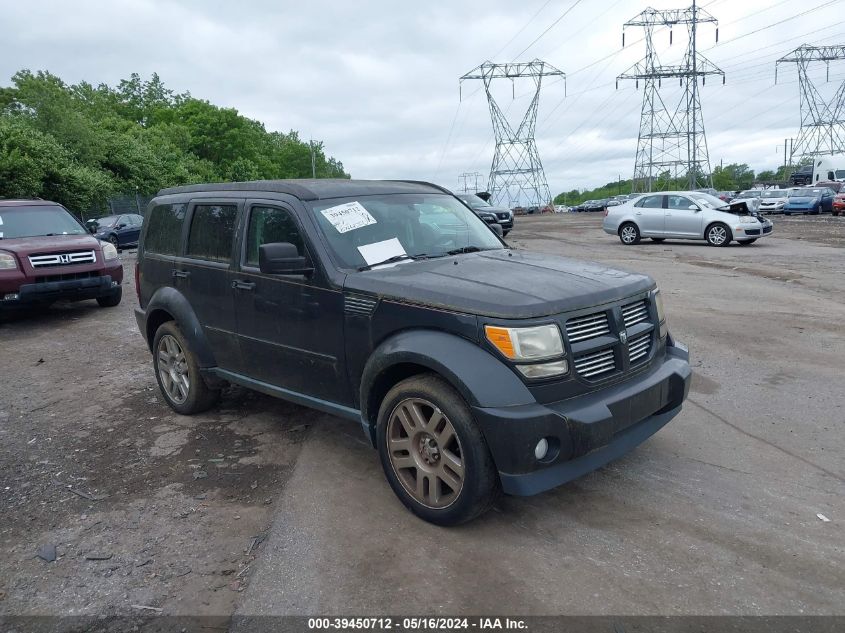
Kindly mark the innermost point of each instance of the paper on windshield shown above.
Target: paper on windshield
(1, 224)
(380, 251)
(348, 216)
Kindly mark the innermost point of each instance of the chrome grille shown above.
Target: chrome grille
(62, 259)
(596, 363)
(634, 313)
(639, 347)
(587, 327)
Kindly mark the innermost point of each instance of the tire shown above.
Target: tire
(746, 242)
(629, 234)
(112, 239)
(194, 397)
(414, 454)
(718, 234)
(505, 232)
(658, 240)
(111, 300)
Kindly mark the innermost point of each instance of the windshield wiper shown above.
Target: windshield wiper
(395, 258)
(464, 249)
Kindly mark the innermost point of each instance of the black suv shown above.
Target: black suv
(473, 367)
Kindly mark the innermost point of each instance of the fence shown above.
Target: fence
(130, 203)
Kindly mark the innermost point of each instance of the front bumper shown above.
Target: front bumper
(69, 290)
(585, 432)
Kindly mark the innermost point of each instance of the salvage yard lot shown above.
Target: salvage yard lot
(264, 507)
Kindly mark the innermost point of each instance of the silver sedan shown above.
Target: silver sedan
(685, 215)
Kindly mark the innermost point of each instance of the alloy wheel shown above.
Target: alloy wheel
(173, 369)
(425, 453)
(717, 235)
(629, 234)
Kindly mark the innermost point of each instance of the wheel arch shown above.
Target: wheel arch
(168, 304)
(478, 376)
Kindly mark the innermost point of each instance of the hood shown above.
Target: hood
(501, 283)
(52, 244)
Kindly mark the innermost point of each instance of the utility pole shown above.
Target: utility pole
(313, 160)
(465, 177)
(822, 128)
(671, 136)
(516, 169)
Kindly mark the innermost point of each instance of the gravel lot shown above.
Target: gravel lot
(264, 507)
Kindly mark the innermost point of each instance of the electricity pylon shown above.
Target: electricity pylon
(516, 168)
(671, 136)
(822, 122)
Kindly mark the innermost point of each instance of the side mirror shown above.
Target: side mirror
(120, 226)
(282, 258)
(694, 207)
(497, 228)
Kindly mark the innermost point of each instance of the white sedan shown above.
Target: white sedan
(686, 215)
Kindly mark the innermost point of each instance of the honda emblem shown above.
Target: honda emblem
(64, 259)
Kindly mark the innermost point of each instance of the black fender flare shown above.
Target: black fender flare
(480, 377)
(171, 301)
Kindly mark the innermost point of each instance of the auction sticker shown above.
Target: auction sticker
(348, 216)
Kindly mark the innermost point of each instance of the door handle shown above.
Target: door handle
(182, 274)
(243, 285)
(638, 213)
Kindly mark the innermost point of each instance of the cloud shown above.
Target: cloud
(378, 81)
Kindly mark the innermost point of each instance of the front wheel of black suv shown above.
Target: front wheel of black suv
(433, 453)
(111, 300)
(178, 374)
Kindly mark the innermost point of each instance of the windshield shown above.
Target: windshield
(749, 194)
(107, 221)
(35, 221)
(474, 201)
(840, 173)
(774, 193)
(805, 193)
(707, 200)
(371, 229)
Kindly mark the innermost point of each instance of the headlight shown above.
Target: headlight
(8, 261)
(747, 220)
(109, 251)
(661, 313)
(526, 343)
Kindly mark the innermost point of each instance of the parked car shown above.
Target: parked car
(46, 254)
(518, 211)
(613, 203)
(802, 176)
(532, 210)
(773, 200)
(831, 184)
(594, 205)
(689, 215)
(751, 197)
(487, 212)
(812, 200)
(392, 305)
(578, 208)
(838, 207)
(122, 231)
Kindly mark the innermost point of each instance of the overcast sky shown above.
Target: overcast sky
(377, 81)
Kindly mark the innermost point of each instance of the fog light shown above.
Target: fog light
(13, 296)
(114, 284)
(542, 449)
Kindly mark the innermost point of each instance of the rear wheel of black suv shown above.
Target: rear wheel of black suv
(433, 453)
(178, 374)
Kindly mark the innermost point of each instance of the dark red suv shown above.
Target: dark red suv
(46, 255)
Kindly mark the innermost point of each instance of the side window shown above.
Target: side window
(124, 220)
(679, 202)
(164, 229)
(135, 220)
(831, 175)
(268, 225)
(650, 202)
(211, 233)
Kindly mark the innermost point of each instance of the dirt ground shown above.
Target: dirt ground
(149, 512)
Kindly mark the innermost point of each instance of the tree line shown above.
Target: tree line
(733, 177)
(82, 144)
